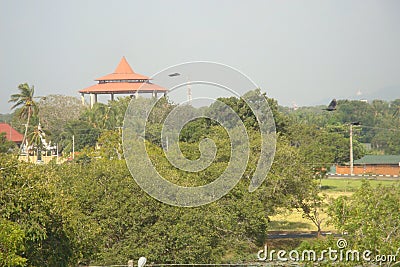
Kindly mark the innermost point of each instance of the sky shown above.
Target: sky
(302, 52)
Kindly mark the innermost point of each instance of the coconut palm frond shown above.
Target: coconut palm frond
(396, 112)
(28, 107)
(18, 103)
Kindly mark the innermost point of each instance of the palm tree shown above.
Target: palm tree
(38, 140)
(396, 106)
(397, 111)
(25, 100)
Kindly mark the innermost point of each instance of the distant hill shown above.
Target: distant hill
(387, 93)
(5, 117)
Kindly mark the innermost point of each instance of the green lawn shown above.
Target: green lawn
(348, 185)
(294, 221)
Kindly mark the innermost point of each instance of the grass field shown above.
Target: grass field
(348, 185)
(333, 188)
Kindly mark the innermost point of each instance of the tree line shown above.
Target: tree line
(379, 121)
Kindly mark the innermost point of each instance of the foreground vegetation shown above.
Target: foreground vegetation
(293, 220)
(90, 210)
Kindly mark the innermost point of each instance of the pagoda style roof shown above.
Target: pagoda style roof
(123, 88)
(11, 134)
(123, 81)
(123, 72)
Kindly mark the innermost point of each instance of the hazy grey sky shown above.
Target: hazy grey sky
(301, 51)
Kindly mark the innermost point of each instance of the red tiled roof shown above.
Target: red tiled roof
(122, 88)
(11, 133)
(115, 83)
(123, 72)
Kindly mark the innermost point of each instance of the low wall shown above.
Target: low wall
(45, 159)
(370, 169)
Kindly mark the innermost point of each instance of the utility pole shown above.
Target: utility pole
(73, 146)
(357, 123)
(351, 150)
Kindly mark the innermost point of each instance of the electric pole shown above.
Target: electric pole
(73, 146)
(357, 123)
(351, 150)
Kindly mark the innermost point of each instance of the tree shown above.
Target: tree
(110, 143)
(322, 147)
(11, 244)
(117, 220)
(107, 116)
(84, 133)
(371, 217)
(30, 198)
(37, 140)
(25, 100)
(312, 207)
(395, 108)
(5, 145)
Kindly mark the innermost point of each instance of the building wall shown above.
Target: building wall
(45, 159)
(370, 169)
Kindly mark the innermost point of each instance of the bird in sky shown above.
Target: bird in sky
(332, 105)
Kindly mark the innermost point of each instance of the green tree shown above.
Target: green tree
(379, 120)
(11, 244)
(312, 207)
(5, 145)
(395, 108)
(110, 143)
(321, 147)
(106, 116)
(371, 217)
(29, 198)
(85, 135)
(25, 100)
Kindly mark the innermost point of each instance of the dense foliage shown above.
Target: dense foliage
(380, 121)
(368, 221)
(94, 212)
(5, 145)
(371, 217)
(91, 211)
